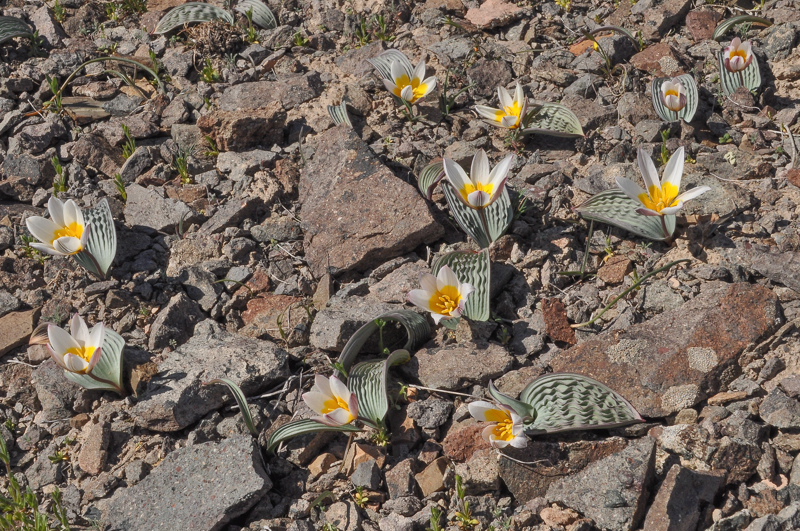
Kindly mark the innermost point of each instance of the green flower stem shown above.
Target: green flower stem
(633, 287)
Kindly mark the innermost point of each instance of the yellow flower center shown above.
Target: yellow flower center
(84, 353)
(740, 53)
(660, 198)
(505, 425)
(514, 110)
(334, 403)
(672, 92)
(417, 86)
(445, 301)
(74, 230)
(480, 187)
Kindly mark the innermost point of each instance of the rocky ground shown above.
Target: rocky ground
(260, 264)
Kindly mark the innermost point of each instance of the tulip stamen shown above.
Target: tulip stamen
(85, 353)
(73, 230)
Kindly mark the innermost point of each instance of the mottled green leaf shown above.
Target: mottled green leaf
(11, 27)
(262, 15)
(109, 367)
(430, 177)
(296, 428)
(692, 98)
(416, 326)
(552, 119)
(191, 13)
(241, 401)
(102, 241)
(383, 62)
(615, 208)
(369, 381)
(338, 114)
(730, 81)
(498, 217)
(727, 24)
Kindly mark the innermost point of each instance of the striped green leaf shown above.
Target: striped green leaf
(109, 367)
(262, 15)
(383, 62)
(430, 177)
(300, 427)
(241, 401)
(190, 13)
(474, 268)
(565, 401)
(12, 27)
(416, 326)
(498, 217)
(522, 409)
(692, 97)
(338, 114)
(727, 24)
(730, 81)
(369, 381)
(615, 208)
(102, 241)
(552, 119)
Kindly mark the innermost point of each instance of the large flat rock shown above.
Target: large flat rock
(459, 366)
(356, 213)
(197, 488)
(174, 398)
(676, 359)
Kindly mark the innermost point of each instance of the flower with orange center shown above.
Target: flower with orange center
(738, 55)
(332, 399)
(673, 95)
(65, 233)
(505, 426)
(482, 187)
(660, 198)
(79, 350)
(512, 112)
(409, 86)
(442, 295)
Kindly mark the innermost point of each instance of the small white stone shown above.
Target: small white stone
(679, 397)
(702, 359)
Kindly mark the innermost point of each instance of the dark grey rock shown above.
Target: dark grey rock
(231, 214)
(404, 505)
(780, 41)
(459, 366)
(681, 499)
(147, 208)
(333, 326)
(367, 475)
(278, 228)
(200, 286)
(175, 323)
(400, 479)
(8, 303)
(430, 413)
(138, 163)
(779, 410)
(202, 486)
(122, 105)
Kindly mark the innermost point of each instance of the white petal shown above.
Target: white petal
(630, 188)
(315, 400)
(504, 97)
(430, 84)
(72, 213)
(489, 113)
(479, 172)
(694, 192)
(42, 229)
(520, 441)
(58, 358)
(391, 87)
(94, 359)
(674, 169)
(60, 340)
(323, 385)
(499, 173)
(428, 283)
(46, 249)
(420, 298)
(647, 212)
(67, 245)
(479, 408)
(455, 174)
(56, 209)
(466, 290)
(497, 443)
(339, 417)
(398, 71)
(407, 93)
(438, 317)
(419, 71)
(87, 230)
(670, 211)
(96, 336)
(647, 168)
(78, 329)
(339, 389)
(446, 277)
(353, 403)
(735, 43)
(508, 121)
(486, 433)
(75, 363)
(478, 199)
(519, 95)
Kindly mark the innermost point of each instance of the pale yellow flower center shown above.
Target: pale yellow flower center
(672, 92)
(84, 353)
(479, 187)
(74, 230)
(445, 301)
(514, 110)
(740, 53)
(334, 403)
(660, 198)
(417, 86)
(504, 430)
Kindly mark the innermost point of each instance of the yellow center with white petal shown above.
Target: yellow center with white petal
(672, 92)
(84, 353)
(74, 230)
(660, 197)
(417, 86)
(446, 300)
(504, 430)
(740, 53)
(514, 110)
(479, 187)
(333, 404)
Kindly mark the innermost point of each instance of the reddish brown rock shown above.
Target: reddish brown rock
(494, 14)
(658, 60)
(272, 315)
(15, 329)
(93, 455)
(615, 269)
(701, 23)
(432, 479)
(245, 129)
(94, 151)
(793, 176)
(682, 497)
(556, 323)
(677, 358)
(459, 445)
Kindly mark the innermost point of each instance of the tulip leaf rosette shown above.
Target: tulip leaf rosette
(738, 67)
(505, 426)
(675, 98)
(660, 198)
(442, 295)
(673, 95)
(512, 110)
(90, 357)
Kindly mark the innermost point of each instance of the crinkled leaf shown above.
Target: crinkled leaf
(565, 401)
(473, 268)
(615, 208)
(190, 13)
(102, 241)
(723, 27)
(109, 367)
(369, 381)
(522, 409)
(430, 177)
(383, 62)
(262, 15)
(338, 114)
(730, 81)
(11, 27)
(296, 428)
(498, 217)
(241, 401)
(692, 97)
(416, 326)
(552, 119)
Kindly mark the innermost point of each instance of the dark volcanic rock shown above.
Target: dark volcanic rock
(661, 373)
(681, 498)
(356, 213)
(198, 488)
